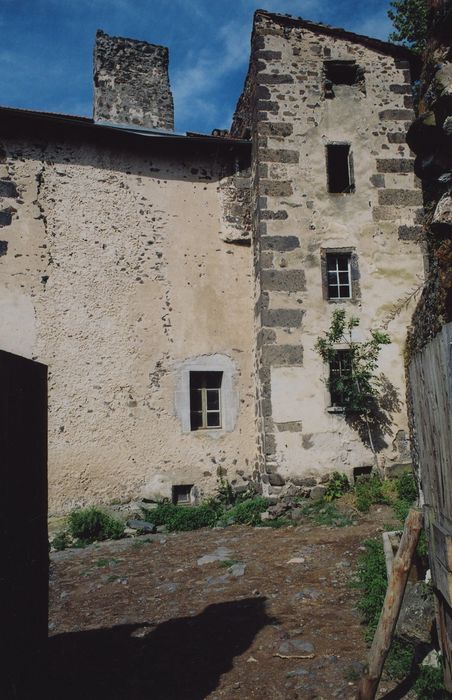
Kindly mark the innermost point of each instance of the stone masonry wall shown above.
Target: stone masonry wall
(297, 220)
(430, 137)
(131, 84)
(115, 273)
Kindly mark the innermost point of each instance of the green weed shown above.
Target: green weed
(351, 675)
(93, 524)
(430, 684)
(406, 487)
(183, 518)
(246, 513)
(275, 524)
(136, 544)
(369, 491)
(337, 486)
(323, 513)
(100, 563)
(61, 541)
(227, 563)
(372, 582)
(399, 660)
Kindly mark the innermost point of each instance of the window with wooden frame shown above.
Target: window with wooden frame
(205, 400)
(339, 165)
(339, 276)
(340, 368)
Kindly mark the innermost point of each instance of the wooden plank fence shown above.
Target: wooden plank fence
(430, 375)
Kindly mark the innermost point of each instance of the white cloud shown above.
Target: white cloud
(194, 85)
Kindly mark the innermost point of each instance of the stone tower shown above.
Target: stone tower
(337, 212)
(131, 83)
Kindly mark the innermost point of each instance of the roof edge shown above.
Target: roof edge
(86, 123)
(387, 47)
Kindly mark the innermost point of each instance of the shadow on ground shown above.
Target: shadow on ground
(180, 658)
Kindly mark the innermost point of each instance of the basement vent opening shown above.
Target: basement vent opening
(365, 470)
(339, 166)
(181, 494)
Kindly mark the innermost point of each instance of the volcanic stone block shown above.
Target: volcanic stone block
(283, 280)
(280, 243)
(282, 355)
(401, 198)
(131, 84)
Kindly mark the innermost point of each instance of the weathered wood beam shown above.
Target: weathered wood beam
(393, 601)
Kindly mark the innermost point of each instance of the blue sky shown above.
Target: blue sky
(46, 48)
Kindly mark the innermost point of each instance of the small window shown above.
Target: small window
(340, 368)
(342, 73)
(205, 400)
(181, 494)
(339, 168)
(339, 275)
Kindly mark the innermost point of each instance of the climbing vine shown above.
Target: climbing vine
(356, 381)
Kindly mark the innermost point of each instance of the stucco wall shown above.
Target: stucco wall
(115, 275)
(298, 219)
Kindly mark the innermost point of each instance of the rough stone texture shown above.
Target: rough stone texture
(285, 109)
(6, 216)
(281, 355)
(235, 199)
(411, 233)
(120, 273)
(442, 217)
(400, 198)
(428, 137)
(8, 189)
(395, 165)
(287, 281)
(280, 243)
(131, 84)
(116, 275)
(396, 115)
(417, 615)
(287, 318)
(291, 427)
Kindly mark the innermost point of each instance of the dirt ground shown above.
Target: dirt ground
(229, 613)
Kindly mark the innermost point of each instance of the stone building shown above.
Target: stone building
(175, 285)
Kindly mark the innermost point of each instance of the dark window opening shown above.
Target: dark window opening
(339, 168)
(181, 494)
(205, 400)
(338, 268)
(340, 370)
(342, 73)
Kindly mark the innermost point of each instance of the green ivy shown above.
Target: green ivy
(358, 386)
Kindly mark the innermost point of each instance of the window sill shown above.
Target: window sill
(335, 409)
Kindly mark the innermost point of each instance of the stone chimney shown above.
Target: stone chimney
(131, 84)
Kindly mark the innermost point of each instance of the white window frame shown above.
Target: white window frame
(336, 271)
(229, 396)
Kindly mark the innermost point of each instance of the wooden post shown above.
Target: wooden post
(393, 600)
